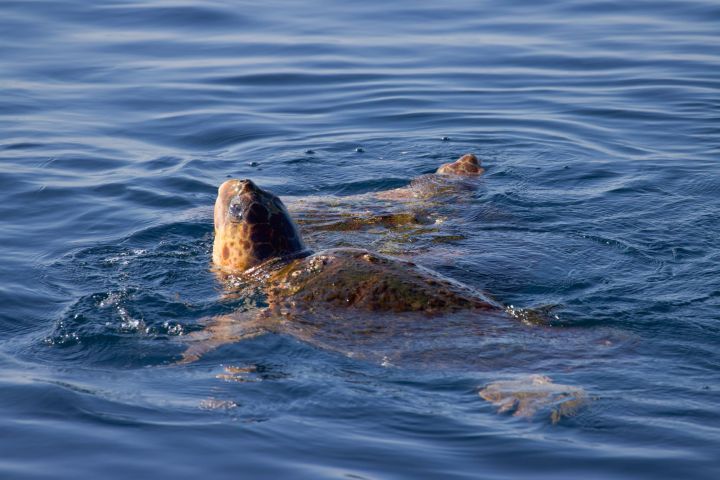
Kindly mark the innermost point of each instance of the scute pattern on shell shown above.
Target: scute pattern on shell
(363, 280)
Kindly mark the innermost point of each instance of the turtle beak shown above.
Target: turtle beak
(235, 196)
(247, 187)
(228, 207)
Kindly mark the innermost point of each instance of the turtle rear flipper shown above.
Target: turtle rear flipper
(446, 182)
(526, 395)
(221, 330)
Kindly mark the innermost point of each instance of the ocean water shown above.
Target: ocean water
(598, 123)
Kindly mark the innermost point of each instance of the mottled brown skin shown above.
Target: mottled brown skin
(251, 226)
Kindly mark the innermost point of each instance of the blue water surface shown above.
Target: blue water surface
(598, 123)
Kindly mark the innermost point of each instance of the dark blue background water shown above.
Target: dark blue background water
(599, 125)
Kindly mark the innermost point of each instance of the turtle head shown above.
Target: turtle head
(251, 226)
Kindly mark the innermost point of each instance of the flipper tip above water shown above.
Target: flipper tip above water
(468, 164)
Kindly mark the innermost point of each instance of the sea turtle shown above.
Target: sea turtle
(333, 295)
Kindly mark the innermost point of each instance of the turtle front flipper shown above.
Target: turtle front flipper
(221, 330)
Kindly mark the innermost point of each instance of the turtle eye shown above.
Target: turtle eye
(236, 211)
